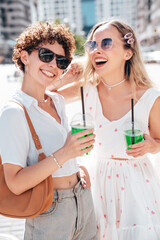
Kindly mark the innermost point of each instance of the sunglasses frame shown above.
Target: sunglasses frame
(59, 58)
(91, 49)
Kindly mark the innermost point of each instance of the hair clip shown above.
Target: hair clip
(129, 37)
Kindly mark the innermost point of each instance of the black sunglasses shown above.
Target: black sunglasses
(106, 44)
(46, 55)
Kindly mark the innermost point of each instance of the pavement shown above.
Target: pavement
(10, 227)
(13, 229)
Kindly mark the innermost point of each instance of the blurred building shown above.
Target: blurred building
(68, 12)
(148, 24)
(15, 15)
(123, 9)
(88, 14)
(94, 11)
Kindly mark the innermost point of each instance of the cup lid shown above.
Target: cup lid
(134, 133)
(128, 125)
(82, 119)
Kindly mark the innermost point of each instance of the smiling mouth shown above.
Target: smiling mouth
(100, 62)
(48, 74)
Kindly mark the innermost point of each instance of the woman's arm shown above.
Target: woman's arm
(154, 120)
(71, 93)
(68, 85)
(21, 179)
(151, 144)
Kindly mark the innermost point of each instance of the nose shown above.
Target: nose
(97, 49)
(53, 63)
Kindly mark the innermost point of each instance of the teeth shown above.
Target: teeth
(100, 60)
(49, 74)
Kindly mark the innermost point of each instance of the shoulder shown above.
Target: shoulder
(153, 95)
(148, 96)
(11, 113)
(151, 92)
(11, 108)
(154, 91)
(15, 133)
(146, 91)
(156, 104)
(154, 118)
(154, 101)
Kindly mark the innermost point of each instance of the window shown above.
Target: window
(149, 4)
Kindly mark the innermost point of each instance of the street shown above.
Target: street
(8, 84)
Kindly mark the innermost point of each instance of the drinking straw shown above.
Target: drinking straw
(83, 109)
(132, 111)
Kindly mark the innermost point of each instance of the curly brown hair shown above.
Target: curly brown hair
(43, 33)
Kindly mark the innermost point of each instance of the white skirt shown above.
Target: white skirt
(126, 197)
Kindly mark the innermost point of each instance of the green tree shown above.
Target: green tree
(57, 21)
(80, 42)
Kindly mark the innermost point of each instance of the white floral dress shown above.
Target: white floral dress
(126, 194)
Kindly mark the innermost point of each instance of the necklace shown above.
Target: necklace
(113, 85)
(42, 101)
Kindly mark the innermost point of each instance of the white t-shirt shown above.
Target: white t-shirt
(16, 143)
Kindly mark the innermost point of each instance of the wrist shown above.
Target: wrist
(60, 156)
(65, 79)
(56, 85)
(55, 160)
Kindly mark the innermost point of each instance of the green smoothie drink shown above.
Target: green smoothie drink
(132, 138)
(133, 135)
(80, 123)
(78, 128)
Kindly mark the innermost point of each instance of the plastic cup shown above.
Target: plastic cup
(133, 136)
(81, 122)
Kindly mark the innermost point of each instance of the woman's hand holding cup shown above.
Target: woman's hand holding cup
(82, 123)
(148, 145)
(79, 143)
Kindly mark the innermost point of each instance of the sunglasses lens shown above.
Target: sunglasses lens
(106, 43)
(90, 46)
(45, 55)
(62, 62)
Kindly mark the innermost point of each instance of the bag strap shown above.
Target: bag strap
(35, 137)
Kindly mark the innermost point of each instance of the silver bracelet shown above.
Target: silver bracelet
(55, 160)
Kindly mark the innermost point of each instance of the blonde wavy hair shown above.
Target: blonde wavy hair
(134, 68)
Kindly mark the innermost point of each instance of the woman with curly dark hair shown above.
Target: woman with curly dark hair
(42, 52)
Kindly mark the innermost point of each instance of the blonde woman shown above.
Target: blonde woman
(125, 190)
